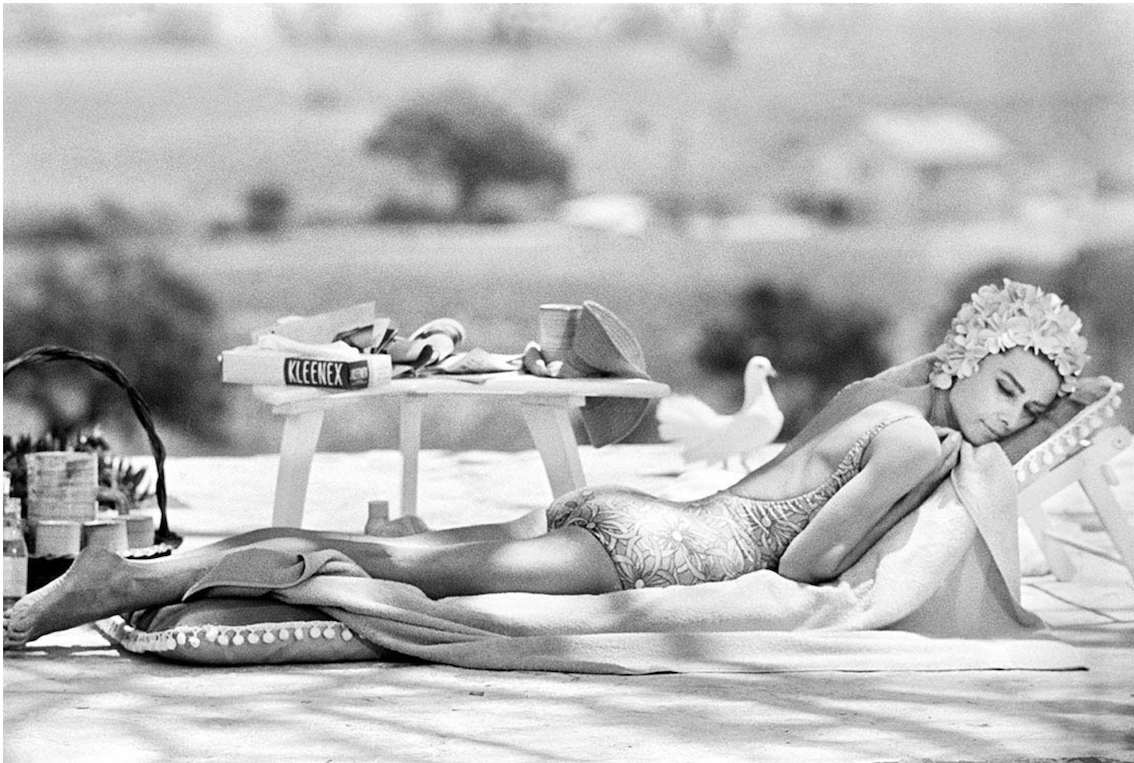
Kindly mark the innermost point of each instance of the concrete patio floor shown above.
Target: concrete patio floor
(71, 696)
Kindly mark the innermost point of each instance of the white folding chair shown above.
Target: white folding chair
(1078, 452)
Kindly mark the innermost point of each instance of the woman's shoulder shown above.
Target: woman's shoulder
(892, 410)
(900, 429)
(895, 428)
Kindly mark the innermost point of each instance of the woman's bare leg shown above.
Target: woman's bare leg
(101, 583)
(566, 561)
(529, 525)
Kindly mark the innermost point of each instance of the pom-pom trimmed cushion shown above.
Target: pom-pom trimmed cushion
(234, 631)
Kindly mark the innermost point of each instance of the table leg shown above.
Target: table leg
(550, 426)
(297, 448)
(409, 439)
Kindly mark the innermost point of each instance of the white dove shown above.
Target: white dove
(712, 437)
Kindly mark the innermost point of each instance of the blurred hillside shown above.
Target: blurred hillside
(157, 121)
(190, 105)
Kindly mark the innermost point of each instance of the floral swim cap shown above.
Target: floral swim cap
(1019, 315)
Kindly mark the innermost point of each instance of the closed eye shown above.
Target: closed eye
(1012, 389)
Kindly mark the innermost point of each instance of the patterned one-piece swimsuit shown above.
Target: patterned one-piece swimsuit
(654, 542)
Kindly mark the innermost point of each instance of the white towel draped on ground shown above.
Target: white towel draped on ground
(939, 592)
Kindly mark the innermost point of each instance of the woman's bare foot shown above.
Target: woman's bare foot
(92, 588)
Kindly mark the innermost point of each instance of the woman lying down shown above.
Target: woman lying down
(808, 514)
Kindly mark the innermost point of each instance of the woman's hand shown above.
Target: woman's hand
(950, 454)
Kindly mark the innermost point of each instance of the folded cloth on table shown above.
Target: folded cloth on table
(478, 361)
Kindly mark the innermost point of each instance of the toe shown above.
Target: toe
(13, 640)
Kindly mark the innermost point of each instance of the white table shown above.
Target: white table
(545, 404)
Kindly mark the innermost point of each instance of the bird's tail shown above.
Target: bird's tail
(684, 418)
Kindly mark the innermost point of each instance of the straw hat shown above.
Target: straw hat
(605, 346)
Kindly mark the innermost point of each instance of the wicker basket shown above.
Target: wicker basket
(48, 353)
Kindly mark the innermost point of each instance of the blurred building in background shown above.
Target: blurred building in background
(929, 167)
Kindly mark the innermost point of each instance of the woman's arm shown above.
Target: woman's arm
(950, 452)
(899, 459)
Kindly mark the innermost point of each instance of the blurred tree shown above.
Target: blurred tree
(473, 140)
(643, 21)
(518, 25)
(816, 349)
(1098, 284)
(182, 24)
(132, 309)
(710, 31)
(31, 24)
(106, 222)
(266, 208)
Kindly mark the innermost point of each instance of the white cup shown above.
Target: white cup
(557, 330)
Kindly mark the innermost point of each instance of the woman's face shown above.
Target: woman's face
(1007, 392)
